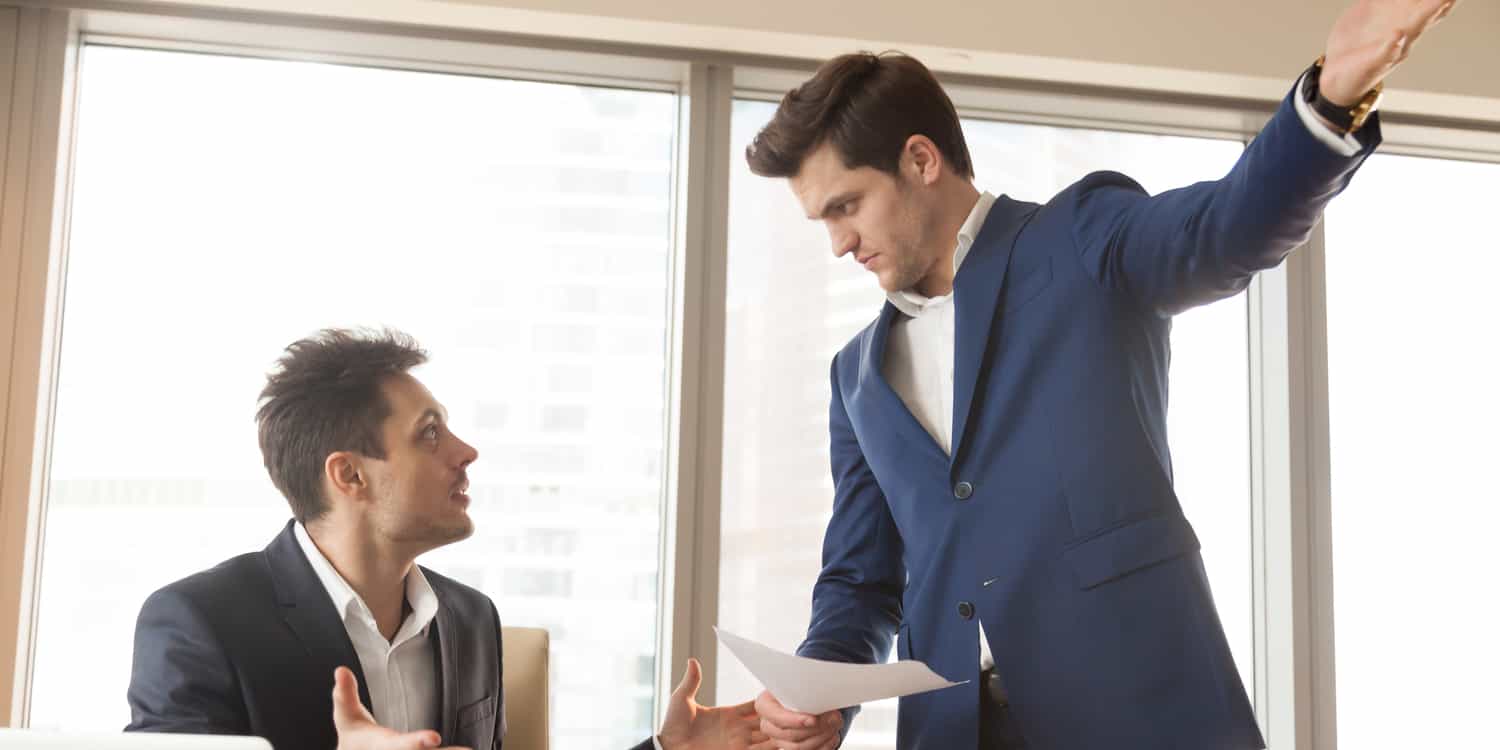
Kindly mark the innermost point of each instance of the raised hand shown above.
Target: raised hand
(689, 726)
(1369, 40)
(357, 728)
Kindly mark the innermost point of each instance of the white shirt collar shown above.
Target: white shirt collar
(347, 602)
(913, 304)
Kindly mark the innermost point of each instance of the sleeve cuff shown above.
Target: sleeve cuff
(1343, 144)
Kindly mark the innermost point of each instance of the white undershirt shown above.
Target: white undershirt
(400, 674)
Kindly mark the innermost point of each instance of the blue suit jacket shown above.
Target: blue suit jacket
(1054, 521)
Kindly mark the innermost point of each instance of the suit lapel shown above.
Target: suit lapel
(309, 612)
(976, 292)
(449, 658)
(876, 394)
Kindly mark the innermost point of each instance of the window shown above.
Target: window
(522, 230)
(223, 207)
(1413, 358)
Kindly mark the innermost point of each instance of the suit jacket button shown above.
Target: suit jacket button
(963, 491)
(966, 610)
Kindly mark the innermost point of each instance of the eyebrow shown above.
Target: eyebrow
(829, 204)
(431, 413)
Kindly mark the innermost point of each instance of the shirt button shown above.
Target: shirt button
(963, 491)
(966, 610)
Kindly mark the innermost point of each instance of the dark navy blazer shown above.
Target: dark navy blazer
(249, 647)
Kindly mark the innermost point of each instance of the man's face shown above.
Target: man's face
(419, 491)
(883, 221)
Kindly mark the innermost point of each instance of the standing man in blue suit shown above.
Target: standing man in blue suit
(1003, 499)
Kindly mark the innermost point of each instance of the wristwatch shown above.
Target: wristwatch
(1348, 119)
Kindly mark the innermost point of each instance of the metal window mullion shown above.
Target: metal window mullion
(690, 529)
(1292, 574)
(1319, 519)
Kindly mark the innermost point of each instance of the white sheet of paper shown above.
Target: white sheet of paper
(814, 686)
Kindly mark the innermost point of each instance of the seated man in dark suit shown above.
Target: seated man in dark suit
(375, 478)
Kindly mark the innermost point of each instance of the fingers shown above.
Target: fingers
(743, 709)
(834, 720)
(745, 728)
(1358, 70)
(1433, 18)
(357, 728)
(1422, 17)
(795, 739)
(1403, 48)
(424, 740)
(785, 729)
(825, 728)
(772, 711)
(347, 710)
(1428, 13)
(692, 679)
(819, 742)
(1380, 56)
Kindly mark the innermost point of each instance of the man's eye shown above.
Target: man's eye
(431, 432)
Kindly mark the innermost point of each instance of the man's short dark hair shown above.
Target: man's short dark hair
(867, 106)
(324, 396)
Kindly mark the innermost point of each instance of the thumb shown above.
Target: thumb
(421, 740)
(348, 712)
(692, 679)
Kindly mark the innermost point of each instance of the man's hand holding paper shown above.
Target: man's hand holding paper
(800, 707)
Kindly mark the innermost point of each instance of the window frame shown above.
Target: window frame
(1291, 539)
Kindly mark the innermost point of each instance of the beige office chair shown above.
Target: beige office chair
(524, 663)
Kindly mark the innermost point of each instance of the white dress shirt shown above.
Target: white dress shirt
(400, 674)
(919, 354)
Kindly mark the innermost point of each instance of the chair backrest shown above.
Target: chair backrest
(524, 665)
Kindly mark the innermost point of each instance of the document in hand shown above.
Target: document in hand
(814, 686)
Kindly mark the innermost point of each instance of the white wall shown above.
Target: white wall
(1227, 47)
(1273, 38)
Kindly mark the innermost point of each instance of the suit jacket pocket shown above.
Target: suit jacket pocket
(477, 711)
(1123, 550)
(477, 726)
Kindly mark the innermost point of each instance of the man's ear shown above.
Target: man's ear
(923, 158)
(343, 472)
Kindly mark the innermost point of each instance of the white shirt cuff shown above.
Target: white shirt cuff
(1342, 144)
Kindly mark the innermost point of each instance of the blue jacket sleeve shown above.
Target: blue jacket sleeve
(856, 603)
(1197, 244)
